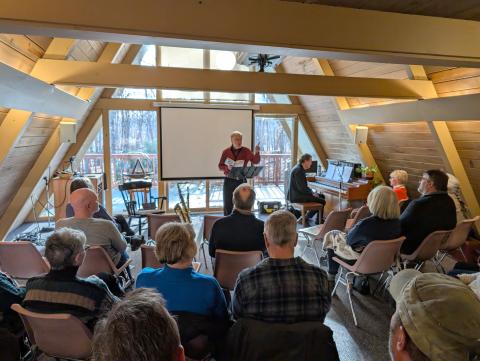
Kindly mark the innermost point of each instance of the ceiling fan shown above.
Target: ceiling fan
(263, 61)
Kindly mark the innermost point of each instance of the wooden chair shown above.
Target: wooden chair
(456, 239)
(155, 221)
(335, 221)
(308, 206)
(139, 201)
(22, 260)
(427, 249)
(97, 260)
(377, 257)
(229, 264)
(60, 335)
(208, 222)
(361, 213)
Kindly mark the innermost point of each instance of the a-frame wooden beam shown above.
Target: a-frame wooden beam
(449, 152)
(342, 103)
(16, 121)
(306, 30)
(31, 182)
(84, 73)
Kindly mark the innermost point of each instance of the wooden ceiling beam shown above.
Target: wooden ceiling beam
(135, 76)
(457, 108)
(16, 121)
(306, 30)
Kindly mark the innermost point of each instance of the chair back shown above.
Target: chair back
(96, 260)
(336, 220)
(137, 195)
(21, 259)
(429, 246)
(378, 256)
(155, 221)
(208, 222)
(229, 264)
(363, 212)
(57, 335)
(148, 257)
(459, 234)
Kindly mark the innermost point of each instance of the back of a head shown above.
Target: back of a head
(82, 198)
(401, 175)
(137, 328)
(79, 183)
(62, 247)
(281, 228)
(244, 197)
(383, 203)
(174, 242)
(439, 179)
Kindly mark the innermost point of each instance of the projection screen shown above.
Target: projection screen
(192, 140)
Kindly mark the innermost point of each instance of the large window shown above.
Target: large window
(133, 138)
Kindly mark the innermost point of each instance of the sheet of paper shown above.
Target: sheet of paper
(229, 162)
(239, 163)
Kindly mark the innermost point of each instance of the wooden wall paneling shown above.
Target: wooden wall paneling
(342, 103)
(451, 158)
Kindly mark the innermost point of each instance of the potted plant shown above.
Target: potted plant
(369, 172)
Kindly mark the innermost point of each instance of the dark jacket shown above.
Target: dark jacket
(298, 190)
(260, 341)
(429, 213)
(373, 229)
(237, 232)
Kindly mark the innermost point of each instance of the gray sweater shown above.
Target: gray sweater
(99, 232)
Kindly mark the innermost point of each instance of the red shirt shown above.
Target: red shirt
(401, 192)
(241, 154)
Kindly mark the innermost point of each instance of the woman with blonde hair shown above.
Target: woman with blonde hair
(398, 181)
(383, 224)
(184, 289)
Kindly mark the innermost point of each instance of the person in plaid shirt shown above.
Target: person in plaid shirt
(281, 288)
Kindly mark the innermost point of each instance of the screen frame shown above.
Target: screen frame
(170, 179)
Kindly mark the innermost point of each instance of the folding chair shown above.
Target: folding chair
(377, 257)
(335, 221)
(229, 264)
(22, 260)
(208, 222)
(97, 260)
(427, 249)
(56, 335)
(361, 213)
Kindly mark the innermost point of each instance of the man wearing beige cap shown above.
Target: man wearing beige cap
(437, 318)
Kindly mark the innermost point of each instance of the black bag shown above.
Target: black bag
(361, 285)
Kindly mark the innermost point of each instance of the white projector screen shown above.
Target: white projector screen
(192, 140)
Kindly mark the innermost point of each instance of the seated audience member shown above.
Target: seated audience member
(10, 323)
(437, 318)
(138, 328)
(398, 181)
(298, 190)
(433, 211)
(118, 220)
(282, 288)
(61, 291)
(455, 193)
(383, 224)
(99, 232)
(241, 230)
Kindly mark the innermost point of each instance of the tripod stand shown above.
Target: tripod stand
(47, 208)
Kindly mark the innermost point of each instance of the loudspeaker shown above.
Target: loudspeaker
(361, 134)
(68, 132)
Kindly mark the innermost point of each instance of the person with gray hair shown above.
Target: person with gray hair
(281, 288)
(241, 231)
(61, 291)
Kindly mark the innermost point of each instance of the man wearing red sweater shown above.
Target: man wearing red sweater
(235, 155)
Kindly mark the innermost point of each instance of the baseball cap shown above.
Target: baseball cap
(440, 314)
